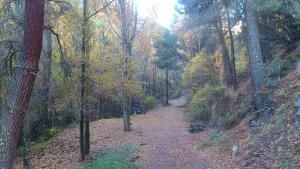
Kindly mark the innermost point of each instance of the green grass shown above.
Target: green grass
(115, 158)
(217, 141)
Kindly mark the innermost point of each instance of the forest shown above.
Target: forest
(150, 84)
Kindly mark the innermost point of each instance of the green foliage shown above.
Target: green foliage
(166, 50)
(293, 57)
(216, 140)
(277, 69)
(149, 102)
(115, 158)
(207, 103)
(227, 120)
(51, 132)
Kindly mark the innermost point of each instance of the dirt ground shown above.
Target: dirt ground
(161, 135)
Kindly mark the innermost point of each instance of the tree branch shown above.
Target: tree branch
(103, 8)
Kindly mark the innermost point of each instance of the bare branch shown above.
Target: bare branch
(103, 8)
(119, 36)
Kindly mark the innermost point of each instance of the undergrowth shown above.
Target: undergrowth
(115, 158)
(217, 141)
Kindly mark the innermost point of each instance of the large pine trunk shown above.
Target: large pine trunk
(13, 113)
(227, 67)
(255, 54)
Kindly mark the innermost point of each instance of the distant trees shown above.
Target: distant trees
(166, 51)
(14, 110)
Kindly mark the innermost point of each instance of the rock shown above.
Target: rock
(196, 127)
(234, 150)
(253, 127)
(297, 106)
(267, 112)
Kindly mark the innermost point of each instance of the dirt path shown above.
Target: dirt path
(169, 144)
(160, 135)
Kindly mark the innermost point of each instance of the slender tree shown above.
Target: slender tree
(82, 82)
(128, 19)
(166, 51)
(13, 113)
(255, 54)
(232, 49)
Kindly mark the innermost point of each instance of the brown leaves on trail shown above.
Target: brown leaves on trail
(160, 135)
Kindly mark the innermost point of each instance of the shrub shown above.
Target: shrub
(51, 132)
(277, 69)
(149, 102)
(115, 158)
(207, 104)
(293, 57)
(227, 120)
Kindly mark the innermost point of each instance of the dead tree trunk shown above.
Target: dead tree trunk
(13, 113)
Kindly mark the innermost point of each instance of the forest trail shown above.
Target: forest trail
(160, 135)
(169, 144)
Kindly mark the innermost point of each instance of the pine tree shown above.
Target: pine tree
(166, 50)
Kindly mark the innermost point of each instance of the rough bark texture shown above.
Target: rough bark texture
(255, 54)
(227, 67)
(234, 77)
(13, 113)
(46, 62)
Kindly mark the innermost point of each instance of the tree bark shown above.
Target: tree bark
(255, 54)
(12, 115)
(46, 62)
(234, 77)
(227, 67)
(82, 84)
(167, 86)
(154, 81)
(127, 46)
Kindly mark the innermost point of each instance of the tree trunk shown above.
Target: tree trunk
(82, 83)
(227, 67)
(127, 46)
(255, 54)
(26, 143)
(234, 77)
(167, 86)
(154, 81)
(126, 115)
(87, 135)
(12, 115)
(46, 62)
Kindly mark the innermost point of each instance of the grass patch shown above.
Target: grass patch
(33, 149)
(217, 141)
(115, 158)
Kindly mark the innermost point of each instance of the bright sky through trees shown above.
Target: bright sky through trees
(163, 9)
